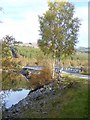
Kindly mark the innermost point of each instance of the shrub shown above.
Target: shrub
(41, 79)
(85, 69)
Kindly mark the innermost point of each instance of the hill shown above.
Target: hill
(83, 49)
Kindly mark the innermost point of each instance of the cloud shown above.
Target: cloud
(26, 29)
(82, 14)
(79, 1)
(21, 2)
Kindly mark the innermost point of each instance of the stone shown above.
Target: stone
(44, 112)
(41, 104)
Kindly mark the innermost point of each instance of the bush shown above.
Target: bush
(85, 69)
(41, 79)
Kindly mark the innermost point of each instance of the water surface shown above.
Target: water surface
(10, 97)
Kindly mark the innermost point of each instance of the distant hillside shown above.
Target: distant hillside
(83, 49)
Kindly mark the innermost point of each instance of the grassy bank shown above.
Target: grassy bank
(74, 104)
(84, 73)
(71, 102)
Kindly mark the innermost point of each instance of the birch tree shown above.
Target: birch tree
(59, 30)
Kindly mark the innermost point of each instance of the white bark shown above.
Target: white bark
(53, 72)
(59, 73)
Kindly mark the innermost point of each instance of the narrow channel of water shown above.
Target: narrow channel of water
(10, 97)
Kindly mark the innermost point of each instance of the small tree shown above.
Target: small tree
(58, 30)
(9, 42)
(7, 46)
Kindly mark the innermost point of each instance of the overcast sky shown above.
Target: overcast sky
(20, 19)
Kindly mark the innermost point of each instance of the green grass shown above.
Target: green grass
(34, 52)
(74, 103)
(84, 73)
(29, 52)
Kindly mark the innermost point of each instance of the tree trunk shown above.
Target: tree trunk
(53, 72)
(59, 74)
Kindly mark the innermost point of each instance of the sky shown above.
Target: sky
(20, 19)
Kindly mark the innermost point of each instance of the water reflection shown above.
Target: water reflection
(10, 97)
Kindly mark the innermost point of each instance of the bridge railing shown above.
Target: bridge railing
(73, 70)
(34, 69)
